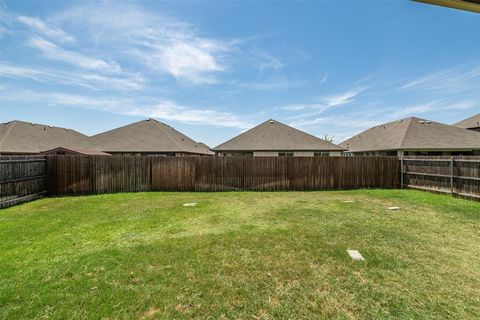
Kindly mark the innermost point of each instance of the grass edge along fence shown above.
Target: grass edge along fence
(457, 176)
(71, 175)
(26, 178)
(22, 179)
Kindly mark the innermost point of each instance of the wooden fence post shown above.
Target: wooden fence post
(451, 176)
(401, 172)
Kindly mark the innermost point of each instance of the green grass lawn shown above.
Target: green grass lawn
(242, 255)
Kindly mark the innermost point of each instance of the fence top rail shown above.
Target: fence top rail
(219, 157)
(443, 159)
(21, 156)
(442, 175)
(22, 160)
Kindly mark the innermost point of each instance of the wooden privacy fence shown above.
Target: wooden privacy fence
(21, 179)
(29, 177)
(453, 175)
(98, 174)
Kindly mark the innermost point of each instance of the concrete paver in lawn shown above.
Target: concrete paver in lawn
(355, 255)
(190, 204)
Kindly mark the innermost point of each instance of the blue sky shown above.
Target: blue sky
(214, 69)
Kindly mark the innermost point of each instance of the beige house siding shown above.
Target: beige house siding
(265, 154)
(303, 154)
(276, 153)
(296, 153)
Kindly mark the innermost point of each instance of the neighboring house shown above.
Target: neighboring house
(19, 137)
(413, 136)
(148, 137)
(472, 123)
(63, 151)
(273, 138)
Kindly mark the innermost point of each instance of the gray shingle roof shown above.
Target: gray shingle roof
(24, 137)
(413, 133)
(146, 136)
(276, 136)
(206, 147)
(469, 123)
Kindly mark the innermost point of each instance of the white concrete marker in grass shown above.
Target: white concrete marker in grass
(355, 255)
(191, 204)
(348, 201)
(393, 208)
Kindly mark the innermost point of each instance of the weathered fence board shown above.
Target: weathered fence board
(453, 175)
(97, 174)
(22, 178)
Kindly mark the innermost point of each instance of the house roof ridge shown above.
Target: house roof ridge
(157, 123)
(242, 133)
(410, 119)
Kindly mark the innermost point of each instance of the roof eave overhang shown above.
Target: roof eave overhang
(280, 150)
(418, 149)
(468, 5)
(154, 151)
(442, 149)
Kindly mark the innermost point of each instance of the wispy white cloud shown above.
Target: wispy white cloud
(437, 105)
(21, 72)
(265, 60)
(41, 27)
(416, 109)
(84, 79)
(169, 110)
(352, 121)
(163, 44)
(272, 83)
(188, 61)
(324, 78)
(52, 51)
(270, 73)
(169, 46)
(148, 107)
(452, 80)
(342, 98)
(463, 105)
(444, 92)
(304, 106)
(326, 102)
(4, 31)
(122, 35)
(340, 127)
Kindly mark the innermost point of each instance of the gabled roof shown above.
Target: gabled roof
(276, 136)
(146, 136)
(24, 137)
(469, 123)
(413, 133)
